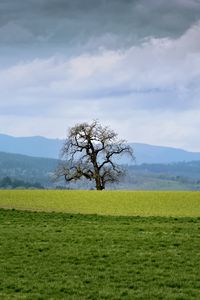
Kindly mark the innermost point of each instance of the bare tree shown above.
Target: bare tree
(89, 152)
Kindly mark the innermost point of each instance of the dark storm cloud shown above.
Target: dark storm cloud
(113, 23)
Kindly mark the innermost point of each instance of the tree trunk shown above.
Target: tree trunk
(99, 186)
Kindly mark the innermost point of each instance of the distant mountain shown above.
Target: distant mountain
(43, 147)
(34, 146)
(162, 155)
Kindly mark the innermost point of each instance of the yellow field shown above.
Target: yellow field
(124, 203)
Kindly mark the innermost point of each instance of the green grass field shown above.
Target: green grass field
(124, 203)
(149, 252)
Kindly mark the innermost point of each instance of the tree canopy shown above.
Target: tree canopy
(90, 152)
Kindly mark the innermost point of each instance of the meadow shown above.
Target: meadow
(114, 203)
(99, 245)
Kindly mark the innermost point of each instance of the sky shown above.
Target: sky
(132, 64)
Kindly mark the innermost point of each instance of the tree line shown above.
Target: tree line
(9, 183)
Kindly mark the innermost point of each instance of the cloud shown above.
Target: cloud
(152, 89)
(12, 32)
(110, 23)
(156, 74)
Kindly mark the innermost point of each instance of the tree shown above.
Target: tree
(89, 152)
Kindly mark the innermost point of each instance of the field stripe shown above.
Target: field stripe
(124, 203)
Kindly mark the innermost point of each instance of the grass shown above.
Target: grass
(145, 246)
(124, 203)
(66, 256)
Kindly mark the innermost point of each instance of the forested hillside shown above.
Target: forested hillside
(32, 170)
(27, 168)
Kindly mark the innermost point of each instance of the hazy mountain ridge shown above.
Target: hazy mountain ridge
(50, 148)
(32, 146)
(157, 154)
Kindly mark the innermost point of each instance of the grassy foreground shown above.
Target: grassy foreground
(124, 203)
(63, 256)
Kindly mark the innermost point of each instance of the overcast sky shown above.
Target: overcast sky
(132, 64)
